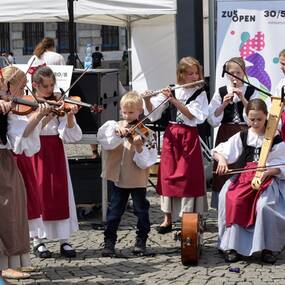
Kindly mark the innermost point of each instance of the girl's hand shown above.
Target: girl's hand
(228, 99)
(222, 167)
(5, 106)
(73, 109)
(269, 172)
(147, 95)
(238, 92)
(167, 92)
(44, 109)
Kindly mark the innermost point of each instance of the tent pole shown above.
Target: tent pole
(71, 58)
(129, 49)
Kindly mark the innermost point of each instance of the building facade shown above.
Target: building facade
(21, 39)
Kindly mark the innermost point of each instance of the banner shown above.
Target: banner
(255, 31)
(63, 74)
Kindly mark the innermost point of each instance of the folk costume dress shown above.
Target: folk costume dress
(121, 163)
(51, 206)
(250, 221)
(14, 233)
(231, 120)
(181, 180)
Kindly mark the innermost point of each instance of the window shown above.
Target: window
(5, 37)
(62, 36)
(33, 33)
(110, 38)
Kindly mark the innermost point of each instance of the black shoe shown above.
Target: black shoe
(164, 230)
(109, 249)
(140, 247)
(231, 256)
(67, 253)
(268, 257)
(41, 254)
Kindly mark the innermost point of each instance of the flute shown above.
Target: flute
(191, 84)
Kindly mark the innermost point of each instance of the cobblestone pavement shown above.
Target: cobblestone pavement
(162, 266)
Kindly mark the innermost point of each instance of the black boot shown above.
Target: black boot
(140, 246)
(109, 248)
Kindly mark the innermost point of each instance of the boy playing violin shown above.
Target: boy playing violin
(127, 161)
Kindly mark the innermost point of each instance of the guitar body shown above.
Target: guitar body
(190, 238)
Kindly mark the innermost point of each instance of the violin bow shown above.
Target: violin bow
(81, 75)
(258, 168)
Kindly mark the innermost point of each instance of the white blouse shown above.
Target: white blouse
(232, 149)
(109, 140)
(48, 58)
(216, 102)
(198, 107)
(16, 142)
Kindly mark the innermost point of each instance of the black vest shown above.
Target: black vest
(3, 128)
(170, 113)
(249, 151)
(229, 110)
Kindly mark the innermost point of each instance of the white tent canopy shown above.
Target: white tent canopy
(151, 25)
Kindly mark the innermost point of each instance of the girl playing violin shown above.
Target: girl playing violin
(251, 221)
(126, 164)
(51, 206)
(14, 235)
(181, 181)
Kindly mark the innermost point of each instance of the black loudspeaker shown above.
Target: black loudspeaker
(96, 86)
(86, 180)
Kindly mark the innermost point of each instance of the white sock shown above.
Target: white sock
(37, 241)
(65, 247)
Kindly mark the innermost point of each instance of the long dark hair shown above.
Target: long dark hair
(41, 47)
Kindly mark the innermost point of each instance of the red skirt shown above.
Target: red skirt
(224, 133)
(28, 171)
(45, 177)
(181, 170)
(241, 199)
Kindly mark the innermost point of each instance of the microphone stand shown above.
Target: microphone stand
(242, 80)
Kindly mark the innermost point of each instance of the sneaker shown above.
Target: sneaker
(109, 249)
(140, 246)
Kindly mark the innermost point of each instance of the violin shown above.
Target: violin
(138, 128)
(27, 104)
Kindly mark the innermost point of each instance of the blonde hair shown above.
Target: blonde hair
(132, 99)
(186, 63)
(41, 47)
(14, 76)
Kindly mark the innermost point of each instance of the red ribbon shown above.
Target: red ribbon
(33, 69)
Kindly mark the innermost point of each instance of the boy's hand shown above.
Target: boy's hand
(138, 143)
(5, 106)
(122, 131)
